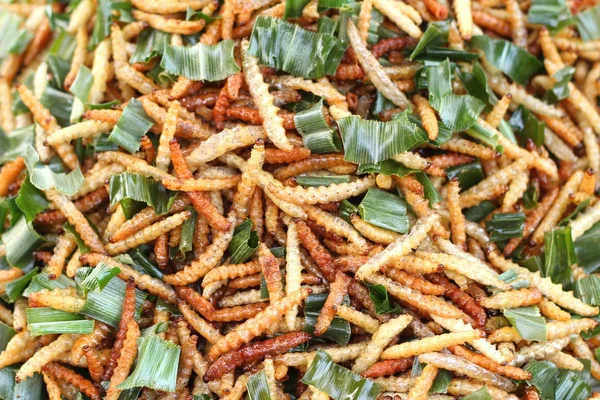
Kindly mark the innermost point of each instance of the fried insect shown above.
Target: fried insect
(254, 352)
(61, 373)
(272, 122)
(127, 316)
(461, 299)
(337, 290)
(381, 338)
(257, 325)
(200, 200)
(9, 173)
(400, 247)
(270, 270)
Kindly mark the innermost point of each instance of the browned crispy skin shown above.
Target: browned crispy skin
(94, 363)
(385, 45)
(85, 204)
(126, 316)
(196, 301)
(238, 313)
(161, 250)
(347, 72)
(253, 352)
(388, 367)
(415, 282)
(68, 375)
(200, 200)
(461, 299)
(490, 365)
(228, 93)
(337, 290)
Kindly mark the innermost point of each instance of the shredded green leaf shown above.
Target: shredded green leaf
(316, 134)
(588, 289)
(315, 181)
(528, 322)
(588, 23)
(559, 255)
(337, 381)
(290, 48)
(505, 226)
(244, 243)
(381, 299)
(31, 200)
(339, 330)
(46, 321)
(384, 210)
(293, 8)
(133, 124)
(258, 387)
(151, 43)
(81, 89)
(156, 366)
(527, 125)
(514, 61)
(587, 249)
(133, 186)
(369, 142)
(553, 14)
(19, 243)
(201, 62)
(479, 394)
(95, 279)
(560, 90)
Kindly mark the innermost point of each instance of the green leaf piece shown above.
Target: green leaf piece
(47, 321)
(514, 61)
(384, 210)
(316, 134)
(258, 388)
(244, 243)
(156, 367)
(339, 330)
(201, 62)
(528, 322)
(553, 14)
(338, 382)
(133, 186)
(290, 48)
(505, 226)
(132, 125)
(588, 23)
(559, 255)
(369, 142)
(381, 299)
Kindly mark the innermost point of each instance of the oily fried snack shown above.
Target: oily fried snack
(199, 200)
(421, 386)
(45, 355)
(9, 174)
(259, 90)
(62, 373)
(380, 339)
(337, 290)
(490, 365)
(253, 327)
(125, 359)
(388, 367)
(270, 270)
(127, 316)
(254, 352)
(77, 219)
(463, 300)
(402, 246)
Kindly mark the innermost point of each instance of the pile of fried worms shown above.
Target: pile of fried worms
(305, 199)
